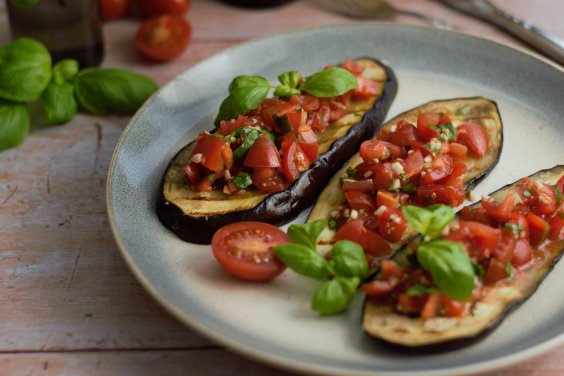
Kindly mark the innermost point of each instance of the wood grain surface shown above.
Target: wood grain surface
(68, 303)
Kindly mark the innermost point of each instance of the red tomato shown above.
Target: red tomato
(360, 201)
(427, 126)
(538, 229)
(441, 168)
(522, 253)
(495, 272)
(366, 185)
(160, 7)
(352, 66)
(268, 180)
(440, 194)
(484, 238)
(387, 199)
(244, 249)
(307, 102)
(374, 149)
(390, 269)
(392, 225)
(372, 243)
(112, 9)
(477, 214)
(560, 184)
(263, 153)
(556, 228)
(457, 150)
(539, 197)
(413, 164)
(377, 288)
(216, 153)
(499, 211)
(452, 308)
(474, 137)
(163, 38)
(294, 161)
(320, 119)
(383, 176)
(228, 127)
(432, 306)
(404, 134)
(519, 225)
(366, 88)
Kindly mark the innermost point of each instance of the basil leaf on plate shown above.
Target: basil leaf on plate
(348, 260)
(303, 260)
(450, 267)
(329, 83)
(14, 124)
(25, 70)
(105, 91)
(334, 296)
(429, 221)
(307, 233)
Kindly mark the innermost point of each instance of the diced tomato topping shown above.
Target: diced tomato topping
(366, 185)
(440, 169)
(307, 102)
(374, 149)
(456, 177)
(268, 180)
(522, 253)
(556, 228)
(475, 214)
(377, 288)
(427, 126)
(452, 308)
(352, 66)
(474, 137)
(320, 119)
(372, 243)
(495, 272)
(390, 268)
(387, 199)
(538, 229)
(432, 306)
(519, 225)
(457, 150)
(392, 225)
(404, 134)
(499, 211)
(262, 154)
(560, 184)
(216, 153)
(440, 194)
(382, 176)
(366, 88)
(413, 164)
(538, 196)
(358, 200)
(297, 120)
(226, 127)
(294, 161)
(483, 238)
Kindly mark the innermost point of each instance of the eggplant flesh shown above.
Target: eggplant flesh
(443, 333)
(195, 216)
(478, 110)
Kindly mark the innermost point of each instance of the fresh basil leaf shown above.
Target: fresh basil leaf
(226, 110)
(285, 91)
(351, 172)
(241, 82)
(450, 268)
(25, 3)
(14, 124)
(242, 180)
(112, 91)
(558, 194)
(429, 221)
(25, 70)
(64, 71)
(307, 233)
(59, 103)
(248, 142)
(448, 131)
(329, 83)
(334, 296)
(290, 79)
(241, 101)
(348, 260)
(478, 270)
(303, 260)
(420, 290)
(463, 110)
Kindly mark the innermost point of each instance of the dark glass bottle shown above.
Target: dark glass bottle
(68, 28)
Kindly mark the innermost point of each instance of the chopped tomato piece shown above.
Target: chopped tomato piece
(294, 161)
(374, 149)
(377, 288)
(392, 225)
(366, 185)
(522, 253)
(538, 196)
(387, 199)
(360, 201)
(307, 102)
(372, 243)
(519, 225)
(413, 164)
(483, 237)
(390, 268)
(452, 308)
(226, 127)
(268, 180)
(320, 119)
(352, 66)
(338, 110)
(383, 176)
(538, 229)
(440, 194)
(427, 126)
(297, 120)
(263, 153)
(456, 177)
(495, 272)
(432, 306)
(366, 88)
(475, 214)
(440, 169)
(404, 134)
(474, 137)
(499, 211)
(215, 152)
(457, 150)
(556, 228)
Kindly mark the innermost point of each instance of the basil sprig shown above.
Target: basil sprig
(14, 124)
(342, 274)
(450, 267)
(246, 93)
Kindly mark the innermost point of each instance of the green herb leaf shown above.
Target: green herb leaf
(249, 140)
(463, 110)
(64, 71)
(303, 260)
(448, 131)
(420, 290)
(245, 82)
(242, 180)
(558, 194)
(25, 70)
(307, 233)
(14, 124)
(284, 91)
(348, 260)
(351, 172)
(508, 269)
(290, 79)
(450, 268)
(334, 296)
(329, 83)
(246, 93)
(59, 103)
(112, 91)
(429, 221)
(478, 270)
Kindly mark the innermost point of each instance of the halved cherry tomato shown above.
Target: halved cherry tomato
(392, 225)
(538, 229)
(294, 161)
(113, 9)
(474, 137)
(360, 201)
(374, 149)
(413, 164)
(427, 126)
(440, 194)
(499, 211)
(404, 134)
(163, 37)
(244, 249)
(441, 167)
(216, 153)
(160, 7)
(372, 243)
(263, 153)
(268, 180)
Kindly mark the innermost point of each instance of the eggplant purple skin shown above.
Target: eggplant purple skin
(458, 343)
(281, 207)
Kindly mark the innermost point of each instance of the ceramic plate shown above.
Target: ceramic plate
(272, 322)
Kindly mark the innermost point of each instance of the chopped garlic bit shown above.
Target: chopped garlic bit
(396, 184)
(197, 158)
(367, 174)
(428, 159)
(393, 128)
(472, 196)
(227, 175)
(226, 190)
(395, 218)
(354, 214)
(410, 151)
(397, 168)
(380, 210)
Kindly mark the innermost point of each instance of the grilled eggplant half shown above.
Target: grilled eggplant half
(332, 204)
(195, 216)
(494, 297)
